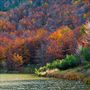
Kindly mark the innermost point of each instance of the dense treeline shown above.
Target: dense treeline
(41, 34)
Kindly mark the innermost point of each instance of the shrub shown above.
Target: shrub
(54, 64)
(69, 62)
(86, 53)
(41, 71)
(87, 66)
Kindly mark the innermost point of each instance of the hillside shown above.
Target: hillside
(41, 31)
(49, 15)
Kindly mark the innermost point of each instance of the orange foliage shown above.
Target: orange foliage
(6, 25)
(39, 36)
(41, 33)
(62, 42)
(17, 58)
(19, 41)
(60, 33)
(86, 1)
(2, 53)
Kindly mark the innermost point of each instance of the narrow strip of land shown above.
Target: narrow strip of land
(12, 77)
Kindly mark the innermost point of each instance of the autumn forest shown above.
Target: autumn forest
(47, 37)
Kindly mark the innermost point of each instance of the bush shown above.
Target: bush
(87, 66)
(41, 71)
(86, 53)
(49, 66)
(54, 64)
(69, 62)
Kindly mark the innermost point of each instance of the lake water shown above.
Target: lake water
(40, 84)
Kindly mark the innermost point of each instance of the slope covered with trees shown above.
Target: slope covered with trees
(42, 31)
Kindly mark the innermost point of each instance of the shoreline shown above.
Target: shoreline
(19, 77)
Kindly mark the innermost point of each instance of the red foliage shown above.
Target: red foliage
(62, 42)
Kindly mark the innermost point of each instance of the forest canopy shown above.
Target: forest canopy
(40, 31)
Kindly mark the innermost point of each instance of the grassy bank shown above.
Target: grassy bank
(15, 77)
(78, 73)
(69, 68)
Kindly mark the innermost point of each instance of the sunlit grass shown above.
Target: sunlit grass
(12, 77)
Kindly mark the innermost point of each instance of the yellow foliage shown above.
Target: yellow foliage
(33, 20)
(76, 2)
(40, 33)
(60, 33)
(56, 37)
(18, 58)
